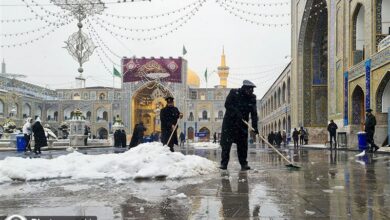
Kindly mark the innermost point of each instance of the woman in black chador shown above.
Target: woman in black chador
(239, 104)
(169, 116)
(39, 136)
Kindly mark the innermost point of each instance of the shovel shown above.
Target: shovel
(173, 131)
(290, 163)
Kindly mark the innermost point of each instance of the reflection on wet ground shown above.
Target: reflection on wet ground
(330, 185)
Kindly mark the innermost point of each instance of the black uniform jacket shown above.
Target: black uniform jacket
(238, 106)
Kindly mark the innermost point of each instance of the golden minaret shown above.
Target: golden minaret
(223, 71)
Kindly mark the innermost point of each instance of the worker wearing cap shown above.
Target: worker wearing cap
(369, 128)
(169, 116)
(239, 104)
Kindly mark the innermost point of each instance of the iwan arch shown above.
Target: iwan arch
(340, 65)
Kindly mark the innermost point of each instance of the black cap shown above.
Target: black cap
(368, 110)
(169, 98)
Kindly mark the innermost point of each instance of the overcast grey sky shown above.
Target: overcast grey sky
(252, 51)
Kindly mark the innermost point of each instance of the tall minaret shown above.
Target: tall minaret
(3, 67)
(223, 71)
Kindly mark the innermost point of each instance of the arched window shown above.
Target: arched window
(284, 93)
(38, 112)
(288, 90)
(279, 96)
(357, 106)
(55, 116)
(102, 96)
(105, 116)
(204, 115)
(191, 117)
(358, 34)
(26, 110)
(89, 115)
(220, 114)
(1, 108)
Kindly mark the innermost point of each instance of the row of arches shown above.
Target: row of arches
(280, 96)
(13, 110)
(205, 116)
(281, 124)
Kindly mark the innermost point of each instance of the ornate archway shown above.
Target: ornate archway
(313, 65)
(357, 106)
(382, 94)
(147, 102)
(207, 131)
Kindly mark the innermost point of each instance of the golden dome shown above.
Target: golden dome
(192, 79)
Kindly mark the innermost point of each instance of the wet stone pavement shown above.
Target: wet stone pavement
(330, 185)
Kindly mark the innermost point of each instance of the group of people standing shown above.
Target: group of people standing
(301, 136)
(120, 138)
(277, 138)
(36, 130)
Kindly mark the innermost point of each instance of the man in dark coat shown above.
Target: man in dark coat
(140, 133)
(117, 138)
(369, 128)
(134, 138)
(271, 138)
(86, 132)
(239, 104)
(295, 136)
(332, 128)
(39, 136)
(169, 116)
(123, 138)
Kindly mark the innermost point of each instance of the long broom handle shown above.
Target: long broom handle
(250, 127)
(170, 137)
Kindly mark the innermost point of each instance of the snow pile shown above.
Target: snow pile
(205, 145)
(147, 160)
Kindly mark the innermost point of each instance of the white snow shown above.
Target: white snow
(147, 160)
(307, 212)
(205, 145)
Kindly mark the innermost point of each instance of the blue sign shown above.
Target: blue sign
(201, 134)
(368, 83)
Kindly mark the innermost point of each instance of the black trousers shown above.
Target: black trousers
(28, 138)
(242, 152)
(333, 136)
(301, 140)
(370, 140)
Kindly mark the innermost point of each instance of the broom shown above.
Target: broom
(291, 165)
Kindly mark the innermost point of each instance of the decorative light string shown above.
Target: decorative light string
(148, 29)
(269, 4)
(18, 20)
(92, 32)
(110, 2)
(34, 39)
(47, 11)
(153, 16)
(27, 32)
(102, 62)
(259, 14)
(252, 21)
(185, 20)
(37, 14)
(100, 47)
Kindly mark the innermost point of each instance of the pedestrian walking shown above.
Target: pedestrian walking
(134, 137)
(39, 136)
(369, 128)
(278, 138)
(306, 136)
(27, 132)
(182, 138)
(86, 131)
(239, 104)
(215, 138)
(295, 136)
(271, 138)
(123, 138)
(169, 116)
(301, 136)
(284, 138)
(117, 138)
(332, 128)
